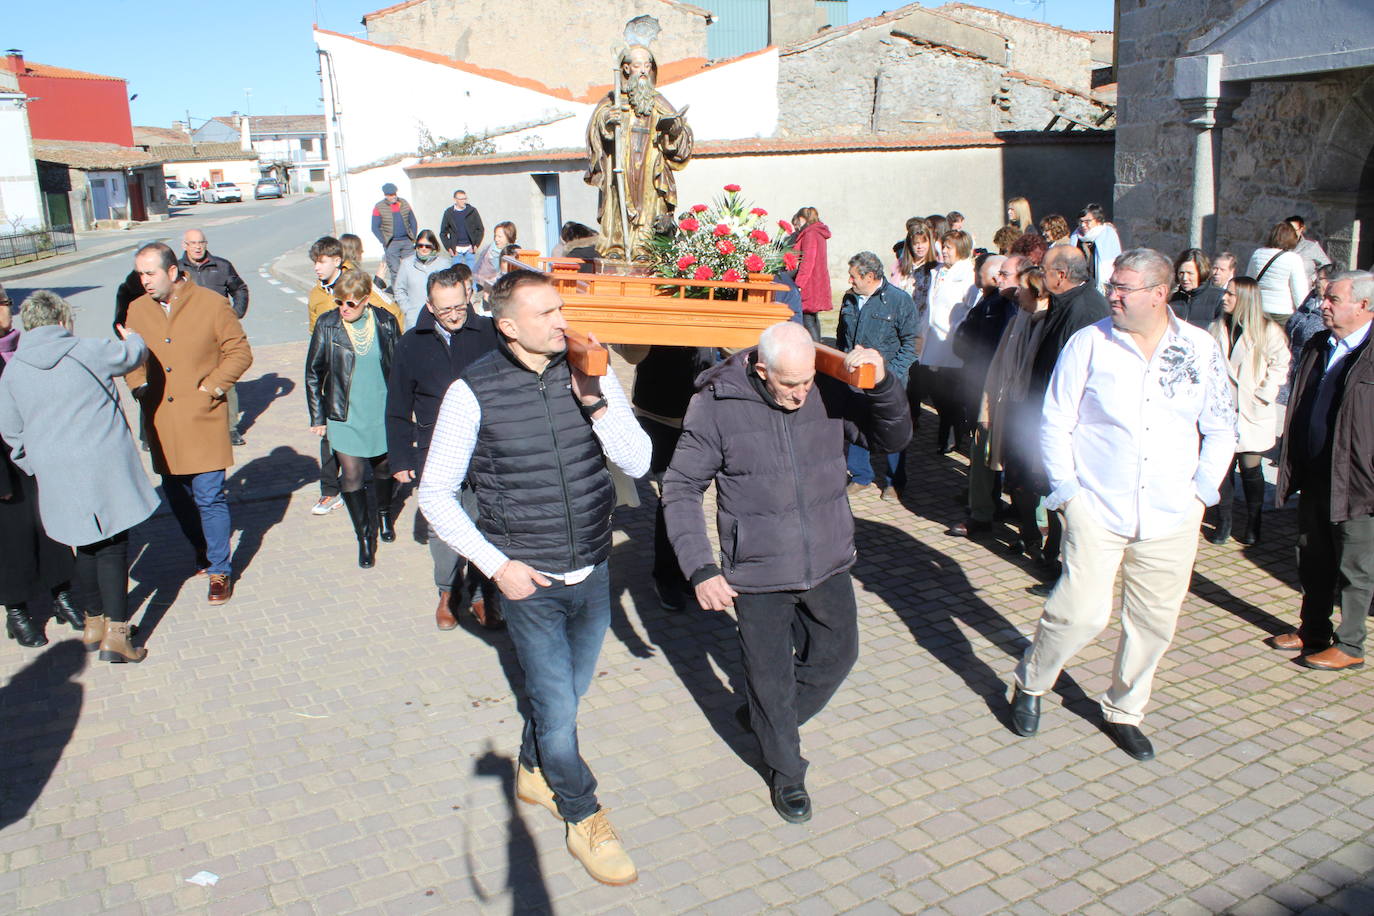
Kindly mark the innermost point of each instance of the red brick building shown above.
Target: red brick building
(72, 104)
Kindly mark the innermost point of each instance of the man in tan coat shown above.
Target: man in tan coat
(196, 351)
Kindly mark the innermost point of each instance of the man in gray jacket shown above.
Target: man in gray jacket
(771, 434)
(218, 274)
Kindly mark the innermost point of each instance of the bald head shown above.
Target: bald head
(194, 244)
(787, 363)
(1065, 267)
(987, 278)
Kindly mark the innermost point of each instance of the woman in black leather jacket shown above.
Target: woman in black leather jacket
(1195, 300)
(346, 370)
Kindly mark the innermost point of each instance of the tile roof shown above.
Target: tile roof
(33, 69)
(192, 152)
(153, 136)
(953, 7)
(803, 145)
(87, 155)
(396, 8)
(278, 124)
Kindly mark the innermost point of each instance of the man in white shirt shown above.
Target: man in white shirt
(533, 436)
(1105, 242)
(1120, 436)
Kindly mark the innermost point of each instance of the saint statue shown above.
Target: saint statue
(635, 141)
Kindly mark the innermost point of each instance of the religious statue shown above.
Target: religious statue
(635, 141)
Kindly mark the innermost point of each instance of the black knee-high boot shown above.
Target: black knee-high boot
(356, 501)
(1222, 534)
(1252, 485)
(385, 529)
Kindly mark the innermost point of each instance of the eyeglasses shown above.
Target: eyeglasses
(448, 309)
(348, 302)
(425, 245)
(1112, 288)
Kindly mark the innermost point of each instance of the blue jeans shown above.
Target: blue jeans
(557, 633)
(202, 510)
(466, 257)
(861, 466)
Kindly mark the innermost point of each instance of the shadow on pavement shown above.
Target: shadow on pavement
(945, 599)
(259, 493)
(1218, 595)
(256, 395)
(18, 294)
(39, 709)
(524, 877)
(160, 571)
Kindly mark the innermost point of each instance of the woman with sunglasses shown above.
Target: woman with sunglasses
(346, 370)
(412, 277)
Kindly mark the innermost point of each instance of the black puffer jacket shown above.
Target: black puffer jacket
(544, 495)
(782, 514)
(1199, 307)
(216, 273)
(329, 363)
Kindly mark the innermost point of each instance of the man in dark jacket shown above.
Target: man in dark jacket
(533, 434)
(461, 230)
(447, 338)
(1075, 303)
(877, 315)
(1328, 456)
(393, 223)
(218, 274)
(770, 433)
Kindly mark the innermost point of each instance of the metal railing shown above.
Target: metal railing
(35, 244)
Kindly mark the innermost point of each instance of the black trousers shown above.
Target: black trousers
(1335, 564)
(812, 322)
(329, 469)
(663, 439)
(101, 581)
(798, 649)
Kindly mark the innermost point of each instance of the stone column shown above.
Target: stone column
(1207, 115)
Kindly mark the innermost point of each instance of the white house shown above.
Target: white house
(21, 204)
(290, 148)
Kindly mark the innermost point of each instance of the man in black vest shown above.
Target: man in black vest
(447, 338)
(1327, 456)
(533, 435)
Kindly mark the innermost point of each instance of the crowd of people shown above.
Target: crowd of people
(1105, 400)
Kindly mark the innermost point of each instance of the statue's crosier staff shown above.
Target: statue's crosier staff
(618, 162)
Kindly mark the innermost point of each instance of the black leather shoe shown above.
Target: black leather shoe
(1025, 713)
(1131, 740)
(386, 530)
(792, 803)
(236, 438)
(63, 609)
(670, 597)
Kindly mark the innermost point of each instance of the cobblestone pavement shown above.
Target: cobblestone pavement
(321, 748)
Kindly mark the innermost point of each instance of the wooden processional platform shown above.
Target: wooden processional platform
(625, 306)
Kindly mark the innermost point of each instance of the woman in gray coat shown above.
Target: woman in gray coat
(411, 283)
(61, 416)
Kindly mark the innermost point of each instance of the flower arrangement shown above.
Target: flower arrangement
(726, 241)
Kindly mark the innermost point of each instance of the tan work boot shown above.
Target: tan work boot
(94, 633)
(532, 788)
(593, 843)
(115, 646)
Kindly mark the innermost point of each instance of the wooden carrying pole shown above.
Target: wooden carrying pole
(594, 359)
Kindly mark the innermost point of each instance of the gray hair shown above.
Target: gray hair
(867, 264)
(1361, 285)
(782, 339)
(43, 308)
(1069, 259)
(991, 265)
(1152, 265)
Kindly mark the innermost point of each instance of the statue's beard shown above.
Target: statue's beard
(641, 92)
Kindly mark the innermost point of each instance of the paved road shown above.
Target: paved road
(251, 234)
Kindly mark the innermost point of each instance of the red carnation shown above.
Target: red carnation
(703, 273)
(698, 208)
(789, 260)
(759, 211)
(721, 230)
(759, 236)
(731, 275)
(784, 225)
(725, 246)
(686, 261)
(753, 264)
(732, 188)
(689, 225)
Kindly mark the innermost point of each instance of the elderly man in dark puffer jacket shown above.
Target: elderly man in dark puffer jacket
(772, 435)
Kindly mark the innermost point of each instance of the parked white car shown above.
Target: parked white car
(179, 193)
(222, 192)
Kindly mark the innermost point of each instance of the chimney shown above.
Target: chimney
(245, 135)
(14, 60)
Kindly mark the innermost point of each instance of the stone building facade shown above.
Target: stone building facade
(1237, 113)
(916, 71)
(562, 44)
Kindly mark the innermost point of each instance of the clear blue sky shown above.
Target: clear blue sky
(201, 57)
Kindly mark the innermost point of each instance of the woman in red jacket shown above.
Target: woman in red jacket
(813, 274)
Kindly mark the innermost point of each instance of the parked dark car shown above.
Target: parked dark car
(267, 187)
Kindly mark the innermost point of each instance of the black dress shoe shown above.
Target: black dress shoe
(1025, 713)
(236, 438)
(968, 528)
(63, 609)
(670, 597)
(792, 803)
(1131, 740)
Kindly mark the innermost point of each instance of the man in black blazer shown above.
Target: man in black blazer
(461, 231)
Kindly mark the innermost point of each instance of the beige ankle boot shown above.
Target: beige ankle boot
(115, 646)
(593, 843)
(94, 633)
(532, 788)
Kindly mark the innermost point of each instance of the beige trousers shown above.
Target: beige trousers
(1155, 577)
